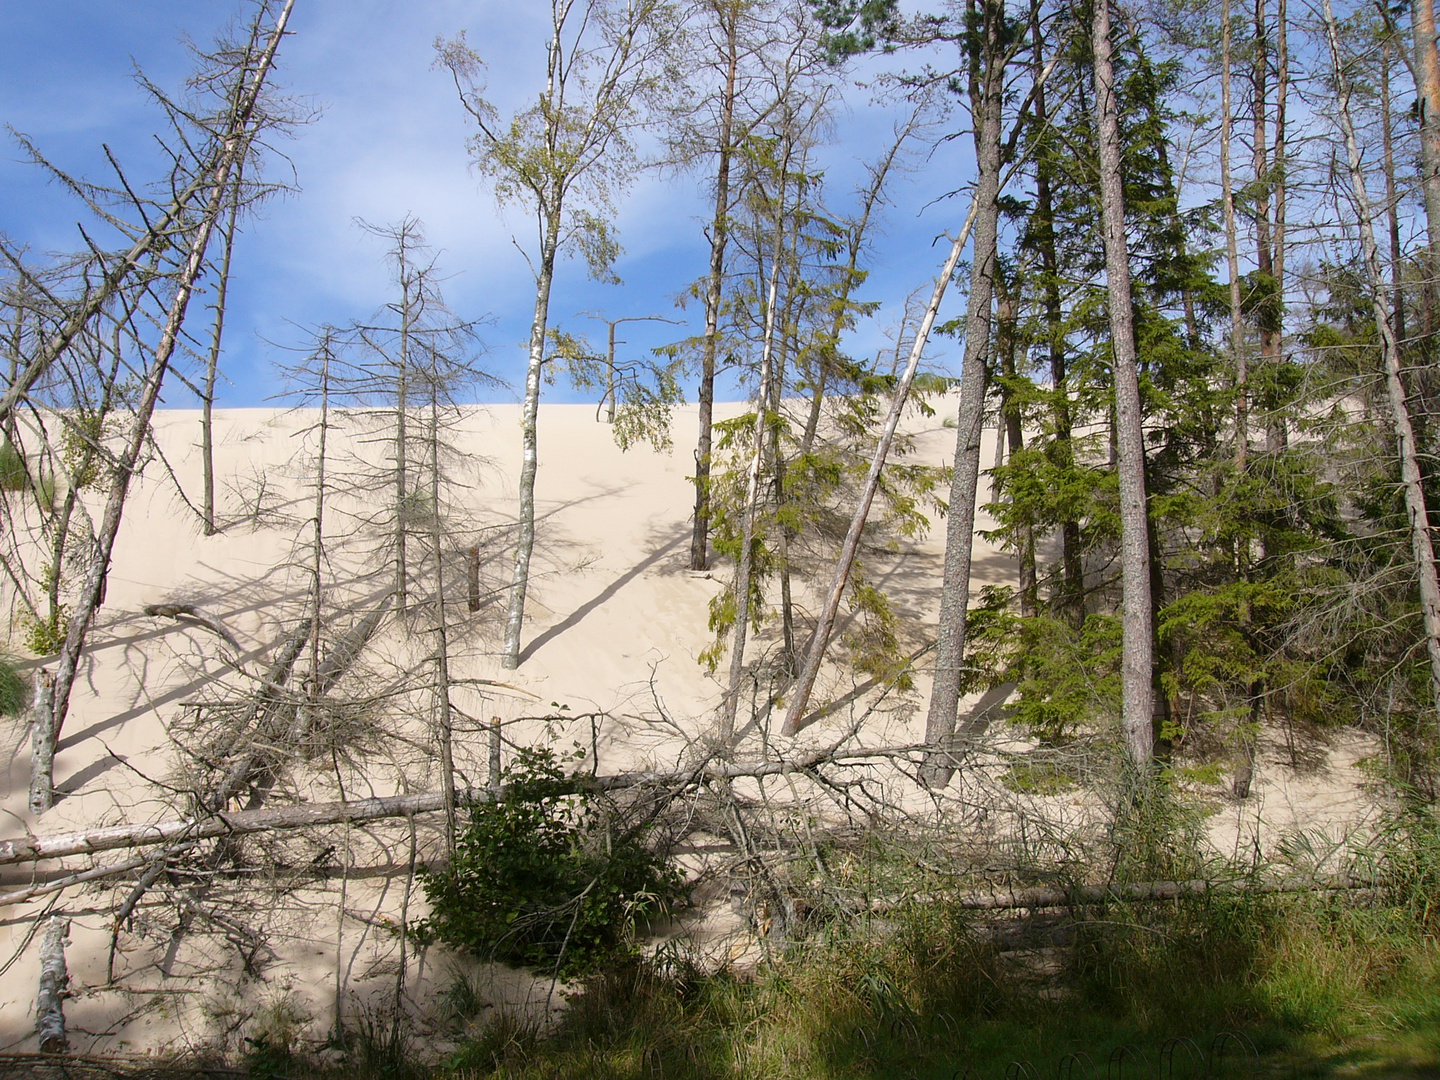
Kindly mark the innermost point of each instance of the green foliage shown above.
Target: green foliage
(44, 636)
(14, 473)
(547, 877)
(14, 691)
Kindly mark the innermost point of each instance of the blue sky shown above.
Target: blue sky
(388, 140)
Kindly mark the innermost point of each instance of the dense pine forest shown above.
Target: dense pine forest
(1053, 687)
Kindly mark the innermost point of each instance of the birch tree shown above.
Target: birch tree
(566, 159)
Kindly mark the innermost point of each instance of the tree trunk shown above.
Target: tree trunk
(1137, 693)
(1392, 199)
(1232, 249)
(228, 158)
(442, 630)
(525, 542)
(960, 519)
(1014, 437)
(1421, 541)
(54, 979)
(212, 367)
(42, 743)
(1427, 76)
(719, 230)
(795, 718)
(744, 564)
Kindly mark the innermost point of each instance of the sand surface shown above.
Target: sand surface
(615, 624)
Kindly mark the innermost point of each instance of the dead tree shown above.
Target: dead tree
(227, 139)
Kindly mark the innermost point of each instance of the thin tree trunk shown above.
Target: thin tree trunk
(93, 590)
(1014, 437)
(1232, 250)
(1269, 307)
(744, 564)
(525, 542)
(960, 519)
(1072, 596)
(212, 366)
(714, 285)
(442, 629)
(1422, 543)
(1392, 199)
(1137, 664)
(402, 407)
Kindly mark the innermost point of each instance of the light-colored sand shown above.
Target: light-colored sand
(614, 625)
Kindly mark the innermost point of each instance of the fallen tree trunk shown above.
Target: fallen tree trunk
(239, 822)
(54, 978)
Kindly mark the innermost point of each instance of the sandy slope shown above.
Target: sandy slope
(615, 623)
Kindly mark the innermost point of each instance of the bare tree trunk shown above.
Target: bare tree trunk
(472, 578)
(1392, 199)
(402, 408)
(54, 978)
(744, 563)
(442, 630)
(1422, 543)
(1232, 250)
(530, 459)
(965, 479)
(1270, 306)
(1014, 437)
(1072, 597)
(228, 158)
(42, 742)
(719, 231)
(1137, 619)
(212, 366)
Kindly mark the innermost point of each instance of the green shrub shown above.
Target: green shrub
(547, 878)
(14, 691)
(14, 476)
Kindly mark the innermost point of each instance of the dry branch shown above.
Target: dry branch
(240, 822)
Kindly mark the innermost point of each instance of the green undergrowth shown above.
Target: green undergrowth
(1324, 984)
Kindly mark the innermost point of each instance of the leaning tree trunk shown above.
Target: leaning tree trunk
(719, 230)
(228, 158)
(1138, 646)
(529, 465)
(795, 718)
(965, 479)
(1421, 541)
(744, 568)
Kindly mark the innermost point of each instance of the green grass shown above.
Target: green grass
(1323, 988)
